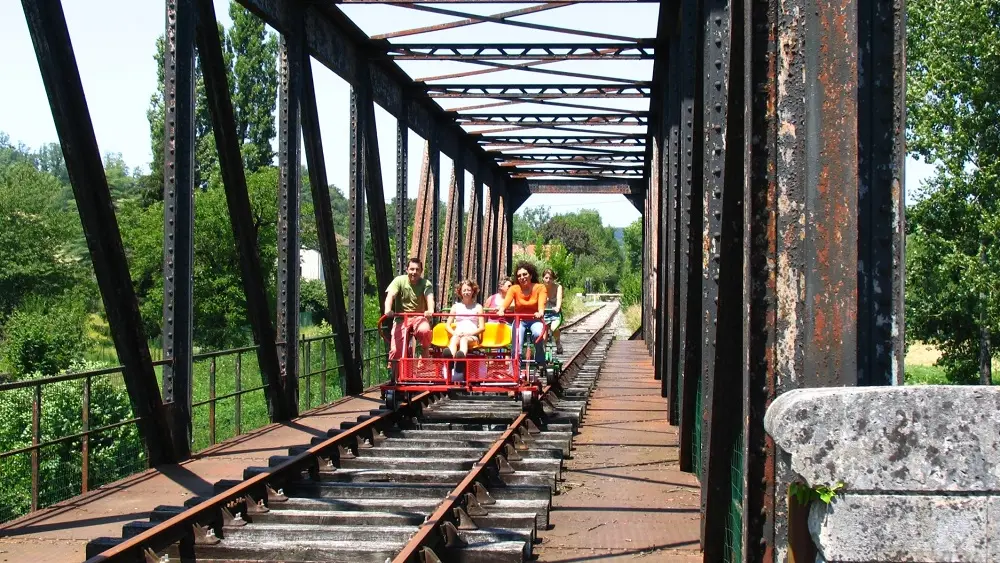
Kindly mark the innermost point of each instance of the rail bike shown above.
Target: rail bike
(494, 365)
(553, 320)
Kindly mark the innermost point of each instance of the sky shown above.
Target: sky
(114, 42)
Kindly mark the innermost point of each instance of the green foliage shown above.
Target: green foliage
(953, 106)
(805, 494)
(114, 453)
(632, 239)
(43, 337)
(597, 255)
(252, 53)
(631, 288)
(925, 375)
(312, 298)
(36, 236)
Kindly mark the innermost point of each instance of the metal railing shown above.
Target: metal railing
(64, 435)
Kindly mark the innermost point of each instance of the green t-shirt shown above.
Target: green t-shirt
(410, 298)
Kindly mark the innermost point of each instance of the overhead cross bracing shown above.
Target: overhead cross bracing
(549, 90)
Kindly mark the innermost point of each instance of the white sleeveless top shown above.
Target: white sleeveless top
(466, 318)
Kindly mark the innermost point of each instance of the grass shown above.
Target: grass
(922, 369)
(633, 317)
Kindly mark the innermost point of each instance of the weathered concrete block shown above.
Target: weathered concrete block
(929, 438)
(931, 528)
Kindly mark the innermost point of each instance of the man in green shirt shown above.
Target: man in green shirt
(410, 293)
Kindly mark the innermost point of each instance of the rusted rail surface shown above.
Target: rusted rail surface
(260, 488)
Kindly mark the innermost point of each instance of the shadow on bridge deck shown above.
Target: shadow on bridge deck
(61, 532)
(624, 497)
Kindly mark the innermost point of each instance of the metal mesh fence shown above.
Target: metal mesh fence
(62, 436)
(734, 523)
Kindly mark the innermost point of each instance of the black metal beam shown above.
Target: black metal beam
(374, 189)
(515, 51)
(616, 186)
(402, 196)
(568, 157)
(61, 77)
(356, 237)
(725, 330)
(434, 241)
(881, 199)
(238, 199)
(530, 120)
(289, 189)
(537, 91)
(350, 372)
(689, 359)
(178, 220)
(460, 265)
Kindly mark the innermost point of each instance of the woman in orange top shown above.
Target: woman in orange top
(528, 297)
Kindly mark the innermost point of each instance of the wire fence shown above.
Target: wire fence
(65, 435)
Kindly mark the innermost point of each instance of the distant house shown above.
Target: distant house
(532, 250)
(311, 265)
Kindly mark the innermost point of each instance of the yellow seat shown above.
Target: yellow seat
(440, 336)
(497, 335)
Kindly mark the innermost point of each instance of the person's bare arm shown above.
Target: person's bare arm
(389, 297)
(448, 325)
(482, 321)
(430, 306)
(559, 289)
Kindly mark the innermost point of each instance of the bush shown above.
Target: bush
(43, 338)
(114, 453)
(631, 288)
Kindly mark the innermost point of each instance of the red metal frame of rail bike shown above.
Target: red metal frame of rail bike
(487, 369)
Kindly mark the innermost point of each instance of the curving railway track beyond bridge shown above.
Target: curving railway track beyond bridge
(443, 477)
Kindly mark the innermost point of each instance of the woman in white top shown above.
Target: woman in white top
(466, 323)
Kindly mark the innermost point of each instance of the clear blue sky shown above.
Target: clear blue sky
(114, 42)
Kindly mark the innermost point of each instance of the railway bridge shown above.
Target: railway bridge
(762, 142)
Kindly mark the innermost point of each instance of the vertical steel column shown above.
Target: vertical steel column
(881, 200)
(178, 221)
(213, 69)
(350, 371)
(689, 358)
(447, 257)
(726, 280)
(374, 189)
(476, 245)
(289, 187)
(492, 270)
(356, 238)
(760, 492)
(421, 219)
(402, 196)
(459, 241)
(61, 77)
(673, 171)
(812, 217)
(434, 193)
(505, 219)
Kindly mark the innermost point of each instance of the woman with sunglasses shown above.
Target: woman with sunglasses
(528, 297)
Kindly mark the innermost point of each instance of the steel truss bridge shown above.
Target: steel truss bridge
(764, 149)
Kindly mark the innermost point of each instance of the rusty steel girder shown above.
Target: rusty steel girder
(514, 51)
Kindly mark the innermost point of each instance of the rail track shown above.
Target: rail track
(443, 477)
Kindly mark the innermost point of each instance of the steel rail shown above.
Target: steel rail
(427, 535)
(209, 512)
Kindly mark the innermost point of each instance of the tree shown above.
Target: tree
(250, 55)
(36, 236)
(632, 239)
(953, 66)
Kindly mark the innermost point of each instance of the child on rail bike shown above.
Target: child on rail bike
(466, 323)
